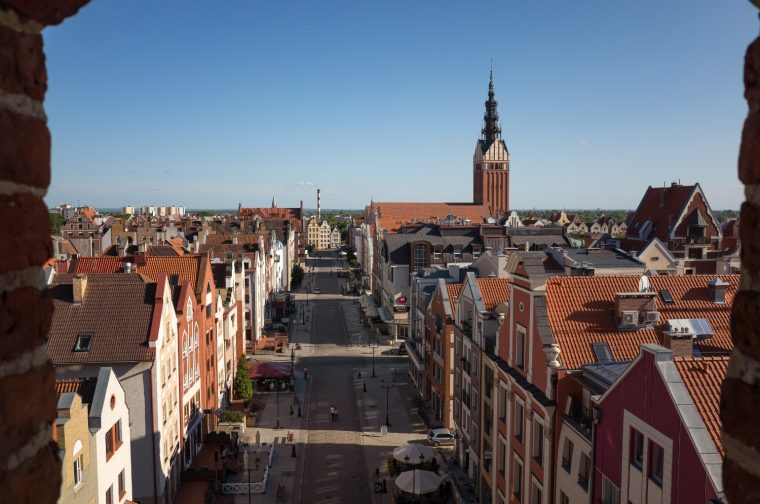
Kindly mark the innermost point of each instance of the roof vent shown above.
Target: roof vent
(716, 290)
(127, 267)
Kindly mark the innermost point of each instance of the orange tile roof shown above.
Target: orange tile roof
(703, 377)
(391, 216)
(453, 289)
(187, 267)
(581, 312)
(85, 387)
(494, 291)
(100, 264)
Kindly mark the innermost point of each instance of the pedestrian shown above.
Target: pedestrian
(337, 418)
(305, 373)
(332, 413)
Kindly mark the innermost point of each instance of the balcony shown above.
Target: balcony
(581, 419)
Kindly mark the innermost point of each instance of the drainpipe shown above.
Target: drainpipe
(153, 436)
(597, 412)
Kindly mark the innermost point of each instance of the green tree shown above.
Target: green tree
(243, 386)
(56, 221)
(296, 277)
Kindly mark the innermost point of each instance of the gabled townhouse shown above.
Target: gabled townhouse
(658, 259)
(88, 236)
(438, 380)
(481, 305)
(335, 238)
(523, 405)
(92, 432)
(656, 430)
(128, 323)
(594, 327)
(189, 276)
(229, 287)
(681, 217)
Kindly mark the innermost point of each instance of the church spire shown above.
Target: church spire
(491, 130)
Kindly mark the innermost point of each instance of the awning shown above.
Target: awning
(369, 306)
(385, 315)
(418, 481)
(269, 370)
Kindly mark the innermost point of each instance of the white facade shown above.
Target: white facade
(109, 411)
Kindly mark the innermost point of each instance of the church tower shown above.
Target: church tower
(490, 163)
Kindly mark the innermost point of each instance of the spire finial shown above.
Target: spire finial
(490, 82)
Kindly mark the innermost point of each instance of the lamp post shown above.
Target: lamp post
(387, 388)
(277, 392)
(373, 361)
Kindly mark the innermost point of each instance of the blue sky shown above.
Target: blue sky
(188, 103)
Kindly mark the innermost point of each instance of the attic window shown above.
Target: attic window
(602, 352)
(83, 343)
(666, 297)
(174, 280)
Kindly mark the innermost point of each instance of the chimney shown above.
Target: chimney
(127, 267)
(634, 310)
(716, 290)
(79, 287)
(679, 338)
(319, 205)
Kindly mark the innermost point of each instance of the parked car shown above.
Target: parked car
(440, 437)
(402, 348)
(315, 291)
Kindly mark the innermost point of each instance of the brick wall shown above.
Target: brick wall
(740, 401)
(26, 377)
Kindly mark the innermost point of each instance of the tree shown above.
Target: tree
(296, 277)
(243, 387)
(56, 221)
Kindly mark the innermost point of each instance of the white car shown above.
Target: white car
(439, 437)
(315, 291)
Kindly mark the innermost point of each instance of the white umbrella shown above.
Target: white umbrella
(413, 451)
(418, 481)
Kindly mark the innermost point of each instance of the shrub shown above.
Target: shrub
(232, 416)
(243, 386)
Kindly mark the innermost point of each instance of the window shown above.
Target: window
(77, 470)
(502, 404)
(563, 498)
(520, 348)
(475, 252)
(437, 251)
(584, 470)
(602, 352)
(517, 477)
(610, 493)
(567, 455)
(501, 456)
(657, 455)
(666, 297)
(637, 449)
(518, 421)
(457, 252)
(535, 494)
(538, 441)
(109, 495)
(122, 487)
(83, 343)
(420, 256)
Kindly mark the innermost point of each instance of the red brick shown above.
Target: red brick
(745, 331)
(738, 403)
(749, 152)
(752, 72)
(49, 12)
(36, 480)
(22, 64)
(749, 233)
(25, 316)
(30, 401)
(24, 149)
(740, 486)
(26, 224)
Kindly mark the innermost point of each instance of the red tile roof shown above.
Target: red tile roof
(494, 291)
(85, 387)
(661, 206)
(391, 216)
(100, 264)
(703, 377)
(188, 268)
(242, 238)
(581, 312)
(116, 311)
(453, 289)
(68, 248)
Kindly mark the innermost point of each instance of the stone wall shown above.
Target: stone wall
(740, 401)
(26, 377)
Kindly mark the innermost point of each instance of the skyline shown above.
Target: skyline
(206, 109)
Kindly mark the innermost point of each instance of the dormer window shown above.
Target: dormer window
(83, 343)
(457, 252)
(437, 252)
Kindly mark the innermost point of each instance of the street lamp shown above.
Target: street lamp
(277, 392)
(373, 360)
(387, 388)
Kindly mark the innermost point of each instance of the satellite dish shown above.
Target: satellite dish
(644, 284)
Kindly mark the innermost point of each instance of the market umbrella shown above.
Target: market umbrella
(418, 481)
(413, 451)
